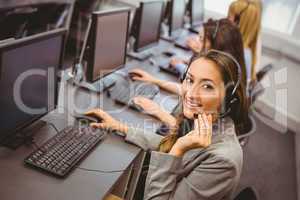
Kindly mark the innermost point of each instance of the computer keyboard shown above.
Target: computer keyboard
(124, 92)
(181, 43)
(62, 152)
(98, 86)
(141, 56)
(164, 65)
(195, 29)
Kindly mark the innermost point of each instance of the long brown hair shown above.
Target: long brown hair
(239, 110)
(225, 36)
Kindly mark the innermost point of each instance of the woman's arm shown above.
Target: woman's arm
(180, 65)
(166, 85)
(169, 86)
(140, 137)
(213, 178)
(152, 108)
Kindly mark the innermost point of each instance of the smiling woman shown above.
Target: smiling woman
(203, 160)
(212, 85)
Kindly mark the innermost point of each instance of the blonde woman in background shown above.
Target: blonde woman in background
(246, 14)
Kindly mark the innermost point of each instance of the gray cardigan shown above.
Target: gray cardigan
(202, 174)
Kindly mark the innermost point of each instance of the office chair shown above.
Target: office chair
(262, 73)
(247, 193)
(255, 90)
(255, 87)
(249, 130)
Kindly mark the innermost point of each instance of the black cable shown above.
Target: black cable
(101, 171)
(111, 171)
(31, 141)
(54, 127)
(66, 110)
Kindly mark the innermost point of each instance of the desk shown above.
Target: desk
(19, 182)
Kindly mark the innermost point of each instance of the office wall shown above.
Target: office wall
(296, 32)
(280, 100)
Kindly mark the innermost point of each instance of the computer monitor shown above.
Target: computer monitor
(176, 16)
(27, 90)
(107, 42)
(196, 10)
(146, 24)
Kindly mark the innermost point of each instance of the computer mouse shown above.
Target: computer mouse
(133, 74)
(90, 119)
(168, 53)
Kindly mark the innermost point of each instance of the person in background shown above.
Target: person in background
(217, 34)
(200, 158)
(246, 14)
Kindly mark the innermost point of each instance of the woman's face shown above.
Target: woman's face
(203, 89)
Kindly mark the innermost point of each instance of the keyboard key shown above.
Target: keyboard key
(63, 151)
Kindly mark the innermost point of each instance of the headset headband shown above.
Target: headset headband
(236, 63)
(216, 30)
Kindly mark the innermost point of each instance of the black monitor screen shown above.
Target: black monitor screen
(109, 41)
(177, 17)
(28, 81)
(150, 18)
(197, 12)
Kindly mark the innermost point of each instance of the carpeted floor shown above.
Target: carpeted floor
(269, 164)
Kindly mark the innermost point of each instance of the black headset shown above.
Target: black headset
(231, 98)
(237, 18)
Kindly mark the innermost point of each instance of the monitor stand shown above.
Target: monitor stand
(77, 78)
(195, 29)
(172, 37)
(169, 38)
(24, 136)
(182, 45)
(98, 86)
(140, 56)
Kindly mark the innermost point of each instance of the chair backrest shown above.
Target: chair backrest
(247, 194)
(255, 87)
(251, 127)
(262, 72)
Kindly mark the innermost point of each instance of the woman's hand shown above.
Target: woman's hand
(152, 108)
(200, 137)
(194, 44)
(141, 75)
(175, 61)
(149, 106)
(106, 121)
